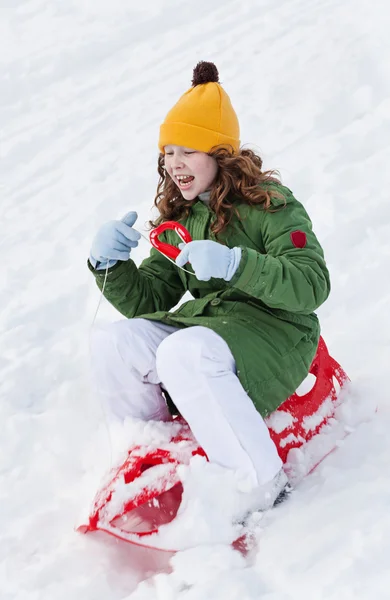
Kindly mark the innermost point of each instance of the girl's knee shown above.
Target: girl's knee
(172, 355)
(192, 350)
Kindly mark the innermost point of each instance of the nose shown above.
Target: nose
(177, 161)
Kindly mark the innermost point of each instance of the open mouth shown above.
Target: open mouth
(184, 181)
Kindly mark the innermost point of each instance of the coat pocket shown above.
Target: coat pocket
(192, 308)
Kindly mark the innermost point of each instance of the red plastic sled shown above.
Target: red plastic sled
(153, 493)
(145, 491)
(305, 414)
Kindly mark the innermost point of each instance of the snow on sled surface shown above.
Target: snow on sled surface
(84, 88)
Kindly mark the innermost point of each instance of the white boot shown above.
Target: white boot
(274, 492)
(265, 496)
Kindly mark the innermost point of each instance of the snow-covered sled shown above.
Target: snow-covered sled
(145, 492)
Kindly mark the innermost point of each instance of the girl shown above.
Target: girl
(243, 344)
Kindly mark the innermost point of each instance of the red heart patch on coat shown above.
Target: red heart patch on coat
(298, 238)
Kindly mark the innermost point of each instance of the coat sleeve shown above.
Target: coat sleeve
(292, 274)
(154, 286)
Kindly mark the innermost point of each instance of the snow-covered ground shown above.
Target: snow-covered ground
(84, 86)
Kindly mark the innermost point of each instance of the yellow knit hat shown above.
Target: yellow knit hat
(203, 117)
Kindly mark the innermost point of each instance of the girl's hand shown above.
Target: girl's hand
(114, 241)
(210, 259)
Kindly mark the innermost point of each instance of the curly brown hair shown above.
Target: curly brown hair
(238, 175)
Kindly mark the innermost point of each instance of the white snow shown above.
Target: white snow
(310, 423)
(84, 87)
(280, 420)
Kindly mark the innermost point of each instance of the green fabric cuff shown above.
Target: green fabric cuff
(113, 272)
(251, 263)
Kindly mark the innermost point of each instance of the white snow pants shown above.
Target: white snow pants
(133, 358)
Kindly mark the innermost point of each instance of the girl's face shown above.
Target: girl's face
(192, 171)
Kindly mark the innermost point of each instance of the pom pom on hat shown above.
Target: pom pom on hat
(203, 117)
(205, 72)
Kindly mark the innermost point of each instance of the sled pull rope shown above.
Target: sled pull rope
(90, 332)
(100, 300)
(106, 275)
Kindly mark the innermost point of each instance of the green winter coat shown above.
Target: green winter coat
(265, 313)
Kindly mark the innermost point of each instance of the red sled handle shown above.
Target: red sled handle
(168, 249)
